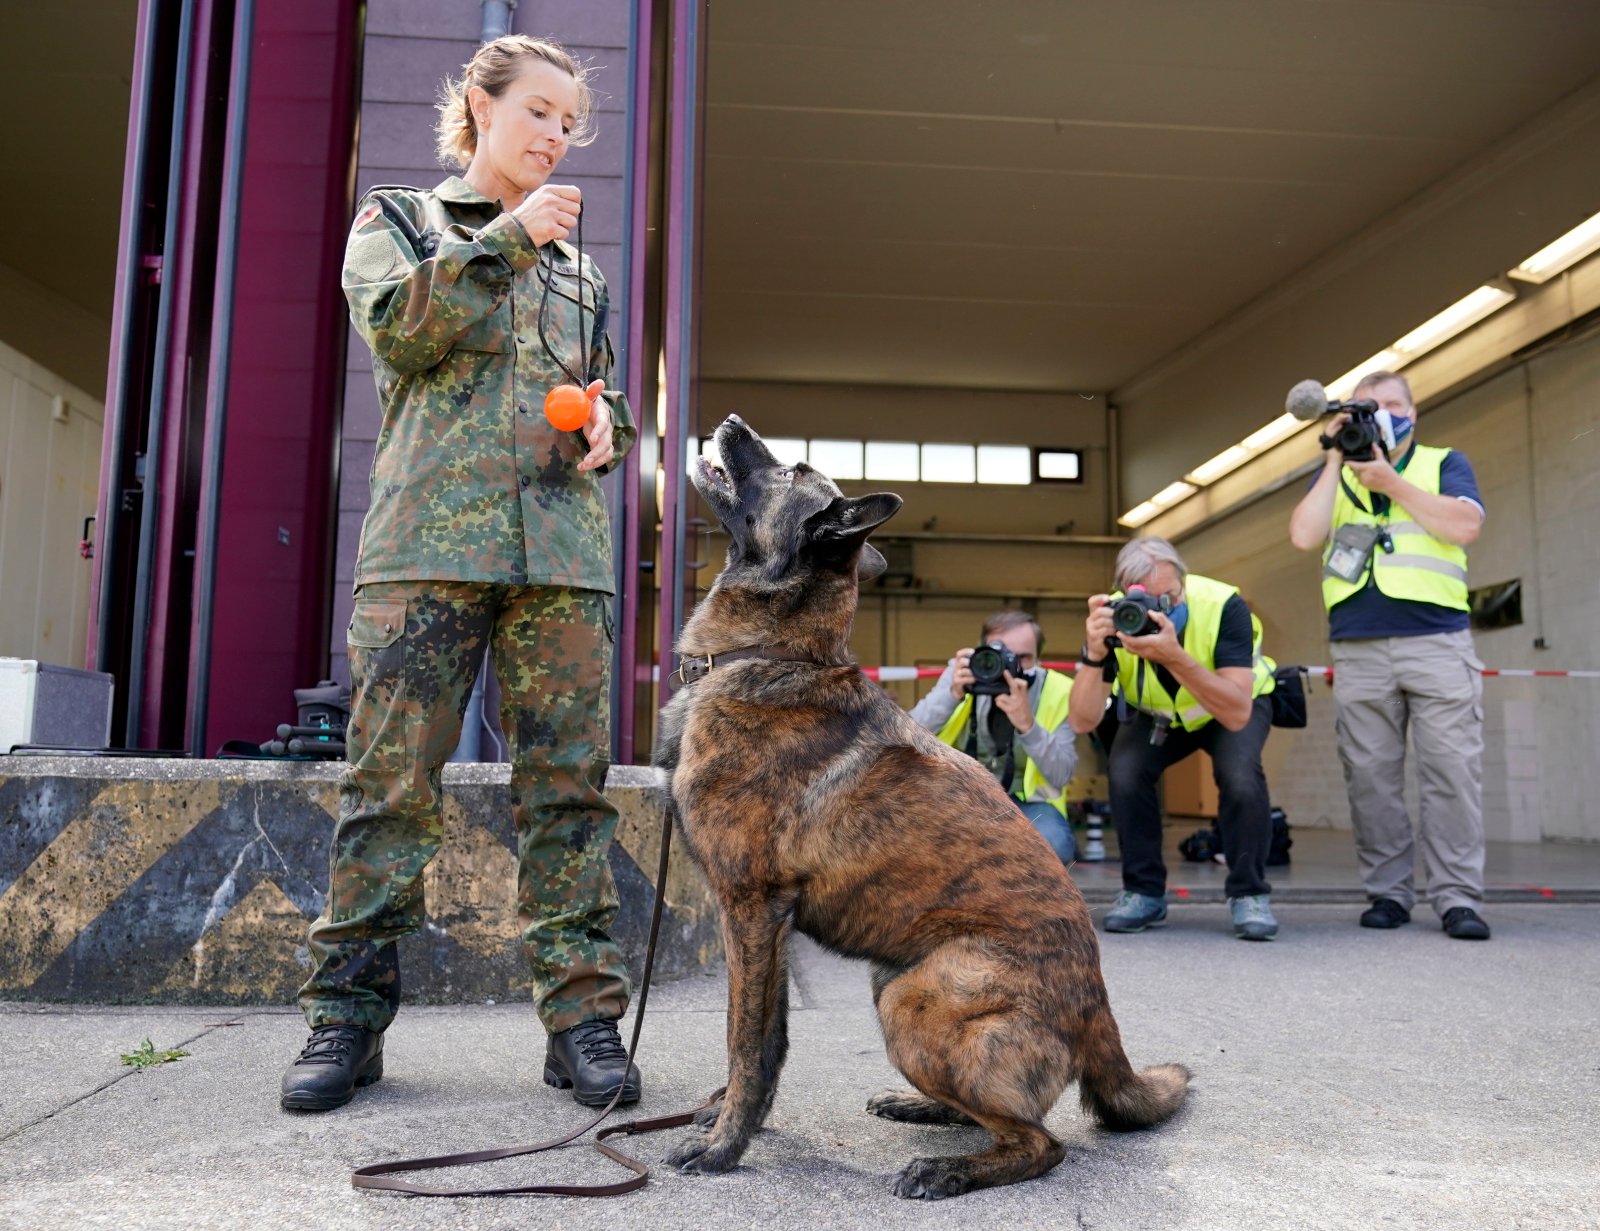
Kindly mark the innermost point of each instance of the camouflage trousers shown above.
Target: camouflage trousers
(415, 649)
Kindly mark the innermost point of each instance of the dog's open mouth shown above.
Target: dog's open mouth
(714, 478)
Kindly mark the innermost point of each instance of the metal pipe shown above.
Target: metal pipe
(130, 271)
(496, 23)
(630, 494)
(221, 362)
(148, 511)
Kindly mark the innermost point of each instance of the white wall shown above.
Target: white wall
(1533, 435)
(49, 480)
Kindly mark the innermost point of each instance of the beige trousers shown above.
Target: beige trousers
(1430, 686)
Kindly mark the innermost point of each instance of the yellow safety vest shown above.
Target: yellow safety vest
(1422, 568)
(1206, 599)
(1054, 697)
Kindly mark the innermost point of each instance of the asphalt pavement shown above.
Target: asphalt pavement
(1343, 1078)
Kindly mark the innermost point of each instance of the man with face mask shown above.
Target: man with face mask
(1020, 734)
(1197, 682)
(1394, 533)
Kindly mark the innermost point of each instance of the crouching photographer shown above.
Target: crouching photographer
(995, 703)
(1180, 655)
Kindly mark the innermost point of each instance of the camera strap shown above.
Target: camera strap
(1002, 743)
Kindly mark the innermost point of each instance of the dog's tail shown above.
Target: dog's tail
(1117, 1096)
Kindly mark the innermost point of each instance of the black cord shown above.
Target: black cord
(544, 300)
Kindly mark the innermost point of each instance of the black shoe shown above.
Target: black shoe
(1462, 923)
(1385, 913)
(334, 1061)
(590, 1060)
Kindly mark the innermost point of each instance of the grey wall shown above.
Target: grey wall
(411, 47)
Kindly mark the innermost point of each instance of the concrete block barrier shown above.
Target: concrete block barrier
(193, 882)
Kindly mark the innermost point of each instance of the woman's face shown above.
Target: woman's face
(522, 134)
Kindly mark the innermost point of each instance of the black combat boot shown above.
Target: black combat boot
(335, 1060)
(590, 1060)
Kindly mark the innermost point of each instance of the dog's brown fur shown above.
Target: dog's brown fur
(813, 802)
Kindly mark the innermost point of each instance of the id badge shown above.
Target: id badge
(1352, 548)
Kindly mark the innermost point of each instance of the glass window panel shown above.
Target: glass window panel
(893, 460)
(1005, 464)
(838, 459)
(948, 464)
(1061, 464)
(786, 450)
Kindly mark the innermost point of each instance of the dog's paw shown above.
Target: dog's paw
(931, 1179)
(909, 1107)
(706, 1117)
(705, 1155)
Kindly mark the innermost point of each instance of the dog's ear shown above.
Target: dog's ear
(836, 534)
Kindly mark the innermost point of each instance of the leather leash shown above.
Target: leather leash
(376, 1175)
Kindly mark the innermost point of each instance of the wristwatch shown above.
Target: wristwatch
(1083, 657)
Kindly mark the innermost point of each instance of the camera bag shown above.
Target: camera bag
(1289, 697)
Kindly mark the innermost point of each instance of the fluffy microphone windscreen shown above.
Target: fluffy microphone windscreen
(1307, 400)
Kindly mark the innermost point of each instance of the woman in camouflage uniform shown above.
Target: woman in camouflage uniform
(487, 532)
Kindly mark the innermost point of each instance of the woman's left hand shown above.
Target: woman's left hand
(597, 431)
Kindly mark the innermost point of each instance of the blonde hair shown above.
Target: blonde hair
(494, 66)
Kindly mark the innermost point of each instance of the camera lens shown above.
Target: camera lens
(1128, 616)
(986, 664)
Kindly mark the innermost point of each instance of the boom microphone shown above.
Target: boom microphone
(1309, 400)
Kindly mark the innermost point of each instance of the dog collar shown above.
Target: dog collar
(697, 666)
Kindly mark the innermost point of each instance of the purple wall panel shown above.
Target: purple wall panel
(278, 479)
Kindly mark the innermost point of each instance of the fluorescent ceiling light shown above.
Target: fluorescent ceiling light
(1281, 428)
(1140, 513)
(1230, 458)
(1172, 493)
(1462, 314)
(1564, 252)
(1383, 361)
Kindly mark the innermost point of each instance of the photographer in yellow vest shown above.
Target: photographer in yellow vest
(1393, 532)
(995, 703)
(1179, 658)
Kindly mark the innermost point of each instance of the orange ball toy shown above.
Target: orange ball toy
(567, 408)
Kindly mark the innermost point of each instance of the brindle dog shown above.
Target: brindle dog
(813, 802)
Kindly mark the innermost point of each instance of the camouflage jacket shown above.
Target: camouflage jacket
(470, 482)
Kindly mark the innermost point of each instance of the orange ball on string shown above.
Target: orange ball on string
(567, 408)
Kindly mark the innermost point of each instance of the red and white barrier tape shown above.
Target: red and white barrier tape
(890, 675)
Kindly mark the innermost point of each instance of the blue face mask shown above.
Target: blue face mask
(1396, 429)
(1179, 616)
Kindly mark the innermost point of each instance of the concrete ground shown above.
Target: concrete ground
(1343, 1078)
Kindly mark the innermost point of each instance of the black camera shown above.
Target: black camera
(1130, 614)
(1359, 436)
(989, 664)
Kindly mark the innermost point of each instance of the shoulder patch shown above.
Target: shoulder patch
(373, 257)
(367, 216)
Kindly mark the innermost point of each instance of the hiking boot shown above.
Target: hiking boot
(1385, 913)
(1252, 917)
(1133, 912)
(1463, 923)
(333, 1063)
(591, 1061)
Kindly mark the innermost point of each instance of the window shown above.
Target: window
(1058, 465)
(1005, 464)
(948, 464)
(838, 459)
(893, 461)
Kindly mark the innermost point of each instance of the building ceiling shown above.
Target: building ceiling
(1056, 194)
(68, 68)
